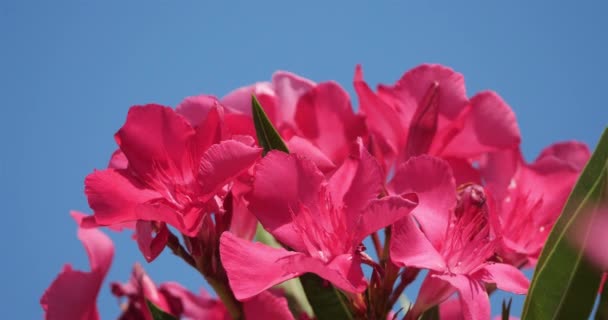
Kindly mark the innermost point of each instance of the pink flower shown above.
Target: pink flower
(454, 241)
(323, 221)
(427, 112)
(174, 299)
(73, 294)
(169, 297)
(316, 120)
(176, 171)
(530, 197)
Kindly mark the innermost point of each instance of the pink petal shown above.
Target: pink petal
(243, 223)
(239, 124)
(194, 306)
(344, 271)
(267, 305)
(224, 161)
(324, 116)
(381, 118)
(196, 108)
(253, 267)
(288, 88)
(282, 182)
(431, 179)
(306, 149)
(151, 240)
(569, 153)
(416, 83)
(239, 100)
(115, 196)
(463, 171)
(358, 181)
(384, 212)
(73, 294)
(155, 138)
(432, 292)
(473, 296)
(490, 126)
(506, 277)
(118, 160)
(450, 310)
(411, 248)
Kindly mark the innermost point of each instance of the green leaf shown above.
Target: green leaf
(326, 301)
(565, 284)
(157, 313)
(268, 137)
(506, 309)
(602, 308)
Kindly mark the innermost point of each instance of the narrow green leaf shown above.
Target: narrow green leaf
(602, 308)
(506, 309)
(268, 137)
(565, 284)
(158, 314)
(431, 314)
(325, 300)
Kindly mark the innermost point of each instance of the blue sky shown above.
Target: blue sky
(69, 70)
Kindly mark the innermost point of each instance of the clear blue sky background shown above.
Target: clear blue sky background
(70, 69)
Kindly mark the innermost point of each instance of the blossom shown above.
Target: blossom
(427, 112)
(530, 197)
(455, 242)
(315, 119)
(73, 294)
(176, 171)
(173, 298)
(322, 221)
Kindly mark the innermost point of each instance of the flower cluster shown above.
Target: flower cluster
(430, 179)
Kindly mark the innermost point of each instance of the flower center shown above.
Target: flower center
(469, 242)
(322, 228)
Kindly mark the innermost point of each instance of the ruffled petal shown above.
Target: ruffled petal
(73, 294)
(384, 212)
(155, 139)
(222, 162)
(381, 118)
(239, 100)
(489, 126)
(325, 116)
(410, 248)
(431, 179)
(115, 196)
(254, 267)
(505, 276)
(305, 148)
(196, 108)
(288, 88)
(151, 238)
(281, 184)
(344, 271)
(358, 181)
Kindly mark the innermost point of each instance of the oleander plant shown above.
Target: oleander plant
(281, 195)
